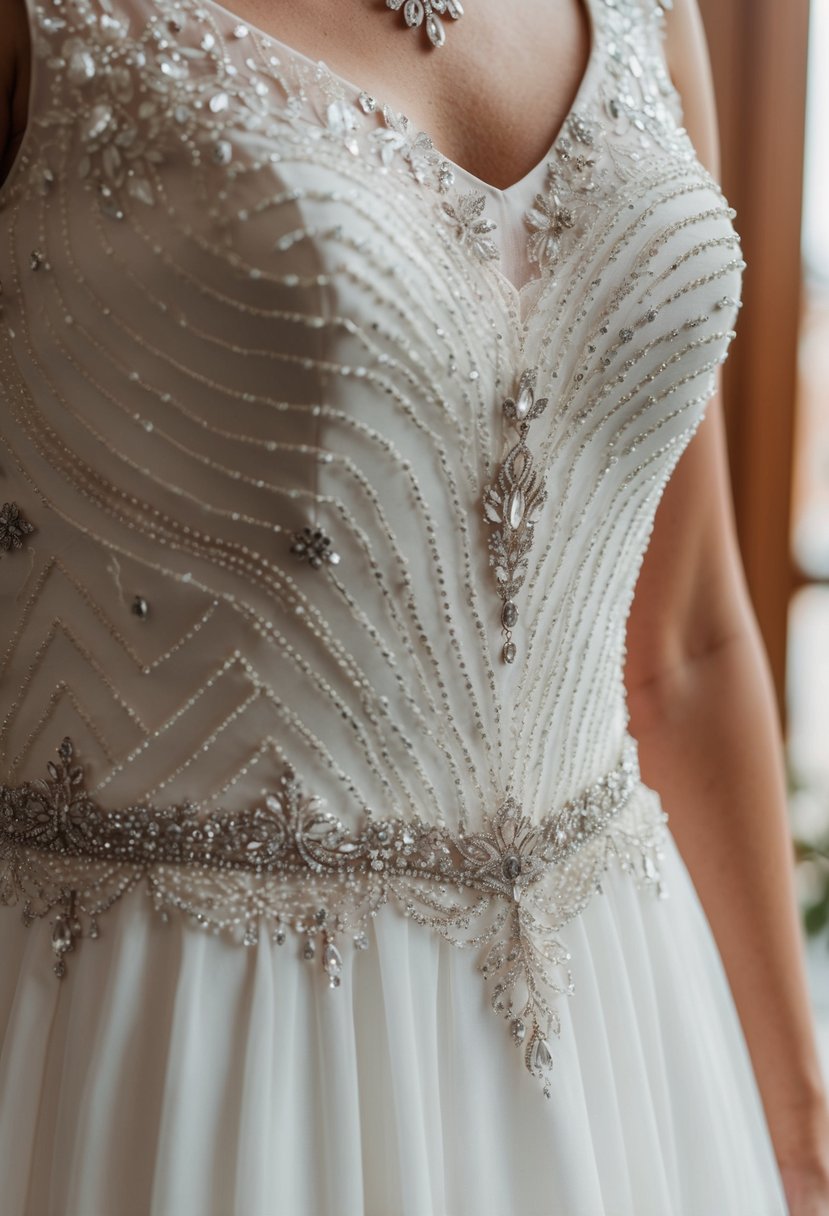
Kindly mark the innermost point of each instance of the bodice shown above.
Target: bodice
(241, 298)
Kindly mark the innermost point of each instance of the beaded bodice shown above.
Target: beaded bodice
(315, 476)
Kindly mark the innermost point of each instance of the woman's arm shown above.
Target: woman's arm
(703, 711)
(14, 80)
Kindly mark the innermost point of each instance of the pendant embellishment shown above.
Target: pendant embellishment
(13, 526)
(428, 13)
(513, 503)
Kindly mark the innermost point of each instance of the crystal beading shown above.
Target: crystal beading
(14, 526)
(510, 885)
(512, 503)
(428, 13)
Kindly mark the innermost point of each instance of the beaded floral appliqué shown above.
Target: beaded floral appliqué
(570, 182)
(466, 214)
(509, 886)
(14, 527)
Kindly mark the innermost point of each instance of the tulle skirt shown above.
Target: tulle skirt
(174, 1073)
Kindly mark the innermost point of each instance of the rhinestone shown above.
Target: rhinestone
(511, 867)
(140, 607)
(509, 652)
(540, 1058)
(332, 963)
(515, 511)
(61, 936)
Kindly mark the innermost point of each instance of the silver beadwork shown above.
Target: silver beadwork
(140, 607)
(289, 862)
(13, 526)
(428, 13)
(315, 546)
(513, 503)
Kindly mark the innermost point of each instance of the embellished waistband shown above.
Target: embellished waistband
(510, 885)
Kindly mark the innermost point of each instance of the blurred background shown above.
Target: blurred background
(769, 60)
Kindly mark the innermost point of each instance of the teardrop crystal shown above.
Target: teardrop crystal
(332, 961)
(435, 30)
(518, 1030)
(524, 401)
(61, 936)
(509, 652)
(413, 12)
(515, 511)
(540, 1057)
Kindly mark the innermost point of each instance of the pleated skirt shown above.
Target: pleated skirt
(175, 1073)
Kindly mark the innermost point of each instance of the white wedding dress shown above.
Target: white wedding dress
(331, 884)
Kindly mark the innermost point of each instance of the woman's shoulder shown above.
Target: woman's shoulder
(687, 56)
(14, 81)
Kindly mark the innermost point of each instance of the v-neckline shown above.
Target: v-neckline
(503, 194)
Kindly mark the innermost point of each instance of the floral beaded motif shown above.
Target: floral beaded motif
(14, 526)
(515, 881)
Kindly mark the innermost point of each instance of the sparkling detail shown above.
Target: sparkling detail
(425, 13)
(60, 849)
(140, 607)
(513, 503)
(314, 546)
(332, 964)
(466, 214)
(14, 526)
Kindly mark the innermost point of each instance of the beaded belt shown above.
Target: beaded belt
(509, 886)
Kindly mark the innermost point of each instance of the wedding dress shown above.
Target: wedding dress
(331, 885)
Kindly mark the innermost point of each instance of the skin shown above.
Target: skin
(699, 690)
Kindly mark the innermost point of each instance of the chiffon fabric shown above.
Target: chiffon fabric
(242, 297)
(179, 1073)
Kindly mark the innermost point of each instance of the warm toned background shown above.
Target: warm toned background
(769, 62)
